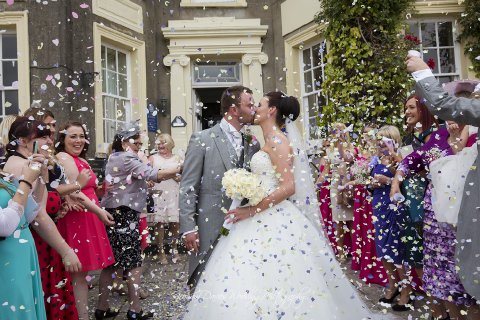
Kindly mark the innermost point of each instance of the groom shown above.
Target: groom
(465, 111)
(210, 154)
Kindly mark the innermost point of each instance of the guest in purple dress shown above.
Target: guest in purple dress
(440, 278)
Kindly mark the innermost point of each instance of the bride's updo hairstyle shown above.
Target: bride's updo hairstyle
(288, 107)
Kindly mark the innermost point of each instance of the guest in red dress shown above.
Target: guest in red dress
(83, 230)
(364, 256)
(323, 184)
(56, 281)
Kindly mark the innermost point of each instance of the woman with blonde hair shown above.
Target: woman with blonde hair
(5, 127)
(165, 196)
(390, 221)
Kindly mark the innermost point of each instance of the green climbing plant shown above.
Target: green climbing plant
(470, 32)
(366, 80)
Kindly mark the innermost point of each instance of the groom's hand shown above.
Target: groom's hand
(415, 64)
(192, 242)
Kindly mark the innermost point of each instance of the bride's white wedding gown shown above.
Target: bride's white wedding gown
(274, 265)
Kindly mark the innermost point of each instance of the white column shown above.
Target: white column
(180, 97)
(254, 78)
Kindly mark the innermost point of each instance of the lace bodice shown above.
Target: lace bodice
(262, 166)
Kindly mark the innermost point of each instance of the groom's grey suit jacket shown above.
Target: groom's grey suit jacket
(465, 111)
(209, 155)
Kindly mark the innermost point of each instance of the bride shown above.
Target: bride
(276, 262)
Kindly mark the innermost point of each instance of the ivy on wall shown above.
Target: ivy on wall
(470, 25)
(366, 80)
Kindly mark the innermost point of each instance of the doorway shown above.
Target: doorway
(208, 110)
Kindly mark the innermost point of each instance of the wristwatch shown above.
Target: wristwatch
(79, 187)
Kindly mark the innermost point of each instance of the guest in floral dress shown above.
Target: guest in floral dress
(440, 278)
(389, 221)
(126, 198)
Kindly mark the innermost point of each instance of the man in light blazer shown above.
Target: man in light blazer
(209, 155)
(465, 111)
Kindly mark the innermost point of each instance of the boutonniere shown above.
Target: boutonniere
(249, 137)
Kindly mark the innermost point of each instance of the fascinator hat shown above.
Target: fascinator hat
(129, 130)
(477, 88)
(455, 87)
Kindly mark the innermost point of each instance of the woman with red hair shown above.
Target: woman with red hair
(420, 124)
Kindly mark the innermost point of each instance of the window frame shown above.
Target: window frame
(138, 82)
(17, 22)
(213, 3)
(456, 45)
(3, 89)
(304, 95)
(217, 83)
(128, 97)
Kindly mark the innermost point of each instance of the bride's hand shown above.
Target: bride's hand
(239, 214)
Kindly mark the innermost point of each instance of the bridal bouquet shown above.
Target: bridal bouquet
(241, 184)
(361, 170)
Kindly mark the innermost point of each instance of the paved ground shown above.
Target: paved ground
(169, 294)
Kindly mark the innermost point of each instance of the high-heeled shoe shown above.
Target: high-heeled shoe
(132, 315)
(109, 313)
(404, 307)
(390, 300)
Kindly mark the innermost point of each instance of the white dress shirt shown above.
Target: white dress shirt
(235, 138)
(233, 135)
(422, 74)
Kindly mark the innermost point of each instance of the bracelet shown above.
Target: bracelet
(26, 182)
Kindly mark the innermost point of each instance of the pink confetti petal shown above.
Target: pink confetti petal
(75, 15)
(10, 2)
(84, 6)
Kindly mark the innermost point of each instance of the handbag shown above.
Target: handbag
(448, 175)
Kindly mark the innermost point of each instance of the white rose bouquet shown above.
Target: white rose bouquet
(241, 184)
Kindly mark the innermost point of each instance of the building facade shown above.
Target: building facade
(165, 63)
(433, 22)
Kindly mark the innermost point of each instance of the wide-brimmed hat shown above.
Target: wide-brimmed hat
(457, 86)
